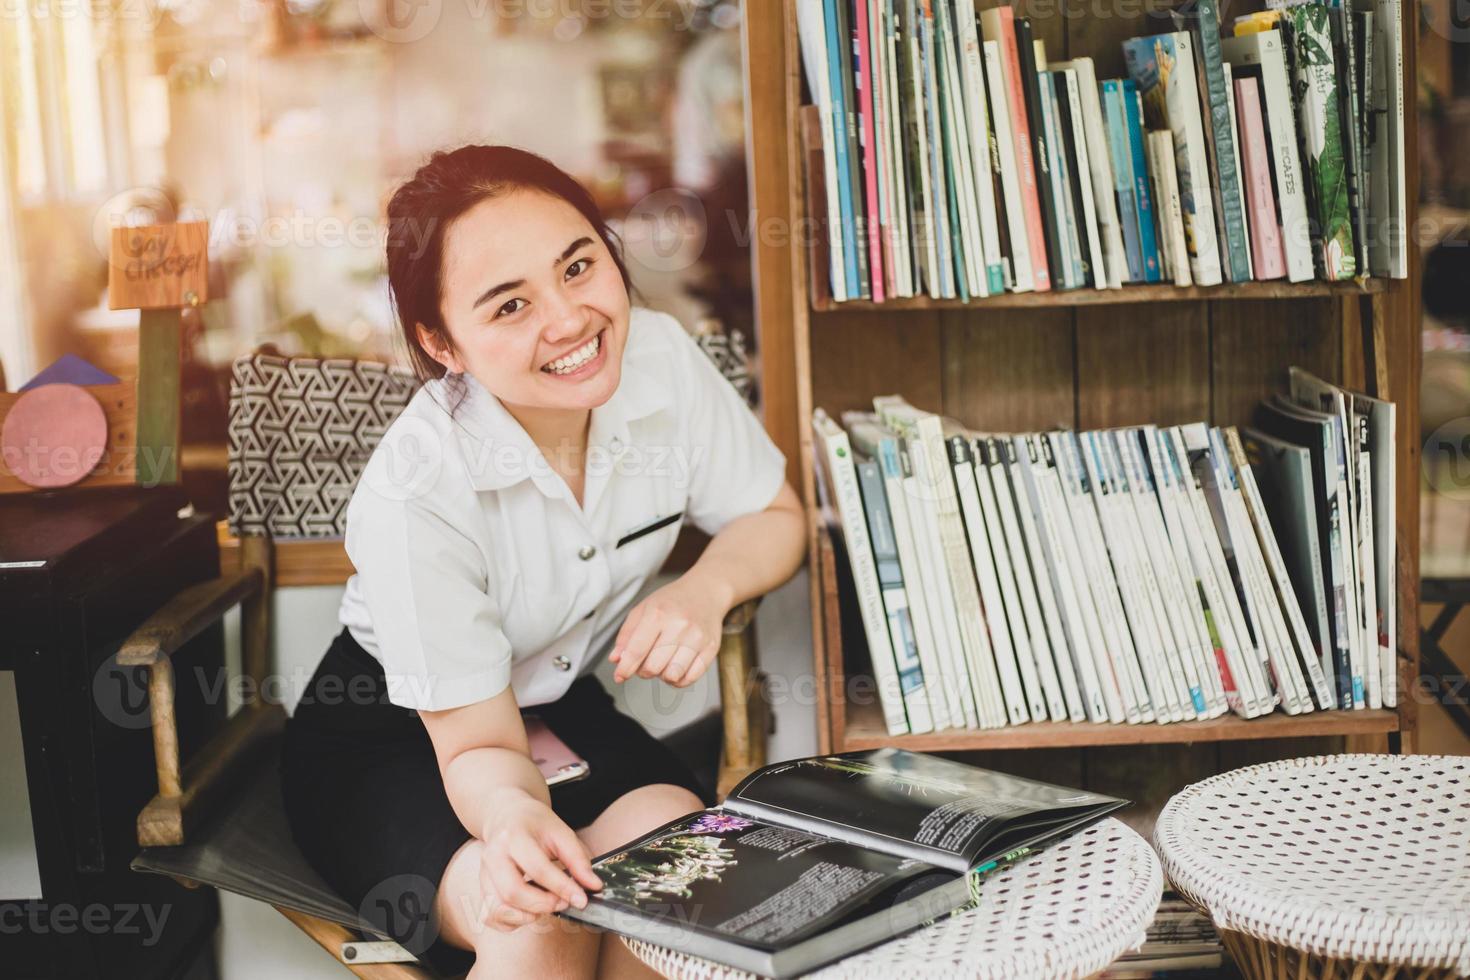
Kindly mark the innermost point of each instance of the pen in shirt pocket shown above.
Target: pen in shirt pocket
(657, 524)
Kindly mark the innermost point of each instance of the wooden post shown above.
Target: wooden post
(256, 552)
(159, 270)
(165, 731)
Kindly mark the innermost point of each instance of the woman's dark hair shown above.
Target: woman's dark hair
(448, 185)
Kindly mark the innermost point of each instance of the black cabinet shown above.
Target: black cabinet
(78, 572)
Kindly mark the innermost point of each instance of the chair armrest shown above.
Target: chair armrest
(743, 709)
(737, 619)
(186, 615)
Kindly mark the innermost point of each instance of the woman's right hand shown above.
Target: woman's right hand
(523, 840)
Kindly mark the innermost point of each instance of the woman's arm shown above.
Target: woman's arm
(675, 632)
(501, 798)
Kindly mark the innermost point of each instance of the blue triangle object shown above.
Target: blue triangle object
(72, 370)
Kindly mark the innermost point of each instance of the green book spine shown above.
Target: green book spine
(1315, 92)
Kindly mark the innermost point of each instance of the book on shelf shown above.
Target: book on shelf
(840, 493)
(1120, 152)
(1137, 575)
(958, 162)
(1266, 254)
(1260, 56)
(1201, 19)
(1094, 143)
(812, 860)
(1142, 197)
(1163, 68)
(1308, 36)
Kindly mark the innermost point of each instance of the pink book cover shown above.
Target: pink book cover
(862, 56)
(1021, 137)
(882, 111)
(1267, 256)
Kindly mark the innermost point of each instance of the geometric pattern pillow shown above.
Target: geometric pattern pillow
(301, 430)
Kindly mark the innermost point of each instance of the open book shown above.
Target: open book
(812, 860)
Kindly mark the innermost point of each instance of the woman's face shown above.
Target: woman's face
(534, 303)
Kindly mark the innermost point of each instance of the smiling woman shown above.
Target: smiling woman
(501, 533)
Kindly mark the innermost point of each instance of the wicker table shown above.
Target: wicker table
(1066, 912)
(1348, 866)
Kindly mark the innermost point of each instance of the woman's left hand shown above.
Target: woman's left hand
(674, 634)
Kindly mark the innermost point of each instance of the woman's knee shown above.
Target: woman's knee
(636, 812)
(550, 946)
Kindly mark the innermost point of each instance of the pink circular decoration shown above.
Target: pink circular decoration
(54, 436)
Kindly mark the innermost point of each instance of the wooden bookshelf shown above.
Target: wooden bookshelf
(1078, 358)
(1102, 297)
(865, 731)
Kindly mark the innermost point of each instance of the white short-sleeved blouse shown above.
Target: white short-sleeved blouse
(476, 568)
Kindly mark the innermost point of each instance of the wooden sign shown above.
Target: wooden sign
(158, 266)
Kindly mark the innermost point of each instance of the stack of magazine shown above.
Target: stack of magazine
(1180, 939)
(1139, 574)
(959, 161)
(812, 860)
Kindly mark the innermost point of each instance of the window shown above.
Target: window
(49, 80)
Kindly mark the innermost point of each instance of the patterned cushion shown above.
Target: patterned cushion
(302, 428)
(301, 431)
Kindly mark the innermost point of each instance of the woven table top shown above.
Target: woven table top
(1363, 857)
(1066, 912)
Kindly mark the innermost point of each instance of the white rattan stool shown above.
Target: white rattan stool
(1066, 912)
(1346, 866)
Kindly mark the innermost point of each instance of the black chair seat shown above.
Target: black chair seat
(246, 848)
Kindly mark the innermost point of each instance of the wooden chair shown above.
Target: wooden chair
(217, 818)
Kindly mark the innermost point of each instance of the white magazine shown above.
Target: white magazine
(1142, 629)
(1271, 550)
(992, 606)
(1117, 639)
(1100, 694)
(1015, 578)
(1036, 699)
(1167, 498)
(1280, 653)
(837, 461)
(1029, 555)
(1180, 659)
(1241, 654)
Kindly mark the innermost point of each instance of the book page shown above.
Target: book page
(909, 803)
(752, 882)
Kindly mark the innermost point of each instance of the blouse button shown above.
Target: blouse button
(561, 663)
(616, 445)
(587, 552)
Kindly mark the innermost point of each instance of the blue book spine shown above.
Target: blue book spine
(1122, 160)
(890, 577)
(1143, 200)
(850, 243)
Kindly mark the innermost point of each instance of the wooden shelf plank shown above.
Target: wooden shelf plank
(865, 730)
(1104, 297)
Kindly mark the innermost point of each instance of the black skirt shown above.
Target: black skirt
(367, 806)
